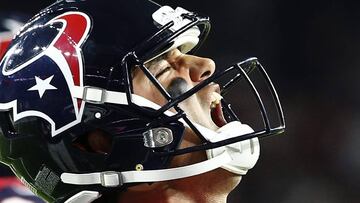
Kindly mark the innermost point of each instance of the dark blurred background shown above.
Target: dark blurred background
(311, 49)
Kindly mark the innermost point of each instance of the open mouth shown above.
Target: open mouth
(216, 110)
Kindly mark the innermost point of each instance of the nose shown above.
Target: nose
(198, 68)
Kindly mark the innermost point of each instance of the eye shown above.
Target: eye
(162, 72)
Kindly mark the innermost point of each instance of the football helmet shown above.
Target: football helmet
(68, 73)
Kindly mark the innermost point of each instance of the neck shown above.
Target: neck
(170, 195)
(197, 189)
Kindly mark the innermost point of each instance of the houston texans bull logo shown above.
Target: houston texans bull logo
(36, 79)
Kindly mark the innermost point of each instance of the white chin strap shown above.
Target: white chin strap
(237, 158)
(116, 179)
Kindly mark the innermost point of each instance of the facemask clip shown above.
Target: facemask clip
(158, 137)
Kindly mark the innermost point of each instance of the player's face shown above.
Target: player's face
(179, 72)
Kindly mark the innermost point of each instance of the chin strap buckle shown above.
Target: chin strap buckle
(111, 179)
(94, 95)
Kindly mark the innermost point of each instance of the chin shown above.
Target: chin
(233, 178)
(222, 180)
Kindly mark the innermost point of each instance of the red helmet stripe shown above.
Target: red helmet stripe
(70, 38)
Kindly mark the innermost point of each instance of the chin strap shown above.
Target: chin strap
(117, 179)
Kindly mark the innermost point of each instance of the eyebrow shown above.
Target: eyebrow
(150, 65)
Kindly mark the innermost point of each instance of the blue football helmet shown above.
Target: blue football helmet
(67, 74)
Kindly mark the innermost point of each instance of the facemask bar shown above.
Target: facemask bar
(251, 63)
(148, 47)
(268, 129)
(244, 67)
(133, 59)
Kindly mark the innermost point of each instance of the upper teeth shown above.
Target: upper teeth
(216, 98)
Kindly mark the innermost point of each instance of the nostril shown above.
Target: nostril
(199, 68)
(206, 74)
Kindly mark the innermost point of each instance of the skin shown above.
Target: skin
(187, 71)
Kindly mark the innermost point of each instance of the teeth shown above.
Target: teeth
(216, 98)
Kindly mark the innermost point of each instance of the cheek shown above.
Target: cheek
(143, 87)
(204, 98)
(190, 140)
(177, 87)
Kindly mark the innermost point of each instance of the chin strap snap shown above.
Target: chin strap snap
(117, 179)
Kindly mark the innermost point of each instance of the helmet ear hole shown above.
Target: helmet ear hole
(96, 141)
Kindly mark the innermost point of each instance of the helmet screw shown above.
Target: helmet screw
(158, 137)
(139, 167)
(98, 115)
(163, 137)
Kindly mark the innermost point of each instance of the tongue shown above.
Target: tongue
(217, 116)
